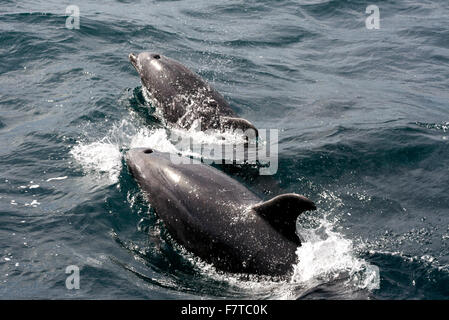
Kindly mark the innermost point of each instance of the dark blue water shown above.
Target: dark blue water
(363, 118)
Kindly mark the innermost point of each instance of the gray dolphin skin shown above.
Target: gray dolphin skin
(182, 96)
(217, 218)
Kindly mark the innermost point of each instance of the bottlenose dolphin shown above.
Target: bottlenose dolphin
(218, 218)
(183, 97)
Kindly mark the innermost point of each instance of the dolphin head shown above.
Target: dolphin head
(162, 77)
(170, 186)
(154, 73)
(147, 60)
(152, 169)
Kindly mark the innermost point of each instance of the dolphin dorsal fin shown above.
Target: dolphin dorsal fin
(281, 212)
(233, 123)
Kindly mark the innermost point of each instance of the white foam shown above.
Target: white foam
(99, 157)
(156, 139)
(33, 204)
(57, 178)
(326, 255)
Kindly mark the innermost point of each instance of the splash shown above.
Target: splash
(99, 158)
(104, 156)
(326, 255)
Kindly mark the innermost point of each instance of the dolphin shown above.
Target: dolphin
(217, 218)
(183, 97)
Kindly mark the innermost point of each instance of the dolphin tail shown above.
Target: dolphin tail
(281, 212)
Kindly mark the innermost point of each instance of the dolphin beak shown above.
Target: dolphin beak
(133, 58)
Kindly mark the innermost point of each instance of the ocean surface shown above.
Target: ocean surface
(363, 120)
